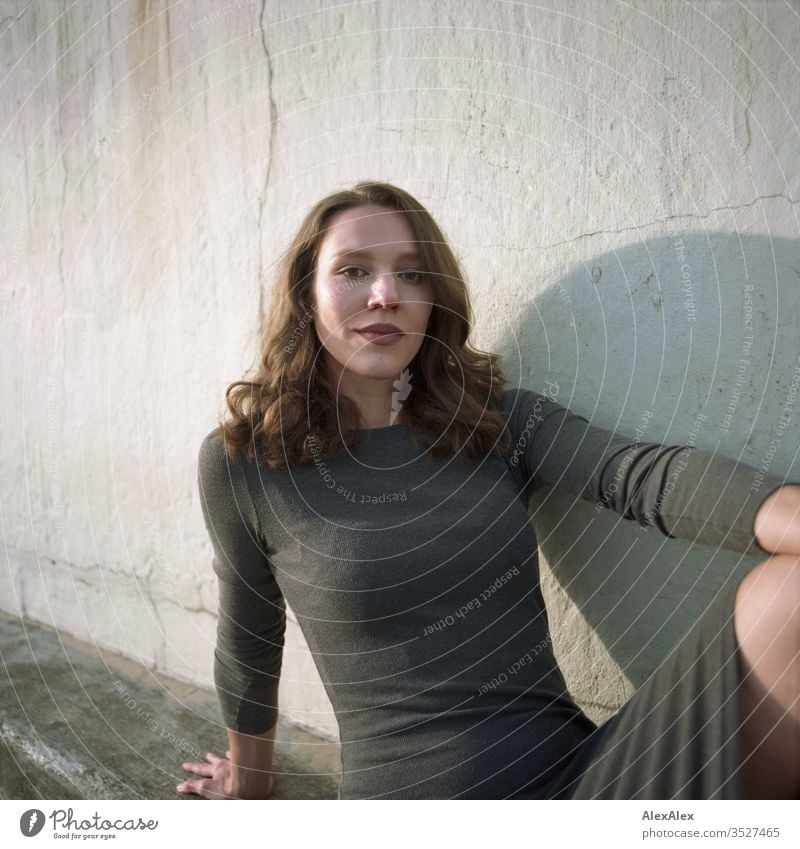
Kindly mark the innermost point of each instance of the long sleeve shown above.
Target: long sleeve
(252, 621)
(685, 492)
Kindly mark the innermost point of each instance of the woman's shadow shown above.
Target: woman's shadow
(680, 339)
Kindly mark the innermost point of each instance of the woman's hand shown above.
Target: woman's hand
(218, 780)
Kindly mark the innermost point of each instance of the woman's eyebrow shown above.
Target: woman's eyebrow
(362, 253)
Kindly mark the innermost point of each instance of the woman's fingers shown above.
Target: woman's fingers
(206, 767)
(186, 787)
(210, 785)
(199, 788)
(204, 787)
(199, 768)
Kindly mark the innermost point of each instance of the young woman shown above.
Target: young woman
(375, 473)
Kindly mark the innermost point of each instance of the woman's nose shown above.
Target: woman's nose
(383, 288)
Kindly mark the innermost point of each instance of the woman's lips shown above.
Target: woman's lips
(381, 337)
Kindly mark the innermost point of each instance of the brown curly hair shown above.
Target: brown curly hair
(289, 406)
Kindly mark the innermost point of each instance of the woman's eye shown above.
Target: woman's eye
(359, 273)
(352, 272)
(414, 276)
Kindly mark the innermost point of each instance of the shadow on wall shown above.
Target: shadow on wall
(685, 339)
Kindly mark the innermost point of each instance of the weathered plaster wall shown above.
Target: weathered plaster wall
(613, 175)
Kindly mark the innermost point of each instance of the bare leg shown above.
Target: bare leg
(767, 625)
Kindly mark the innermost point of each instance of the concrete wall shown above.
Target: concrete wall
(614, 178)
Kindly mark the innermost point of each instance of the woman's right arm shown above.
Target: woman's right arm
(251, 764)
(250, 629)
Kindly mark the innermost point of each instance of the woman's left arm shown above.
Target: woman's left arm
(777, 522)
(684, 491)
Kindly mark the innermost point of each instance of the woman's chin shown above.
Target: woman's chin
(378, 367)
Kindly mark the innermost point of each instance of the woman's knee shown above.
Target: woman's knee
(768, 603)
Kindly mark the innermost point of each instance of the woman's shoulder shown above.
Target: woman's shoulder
(526, 407)
(215, 466)
(211, 447)
(516, 398)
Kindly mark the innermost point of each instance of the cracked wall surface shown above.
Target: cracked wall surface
(621, 184)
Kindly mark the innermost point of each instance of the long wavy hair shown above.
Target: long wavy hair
(290, 407)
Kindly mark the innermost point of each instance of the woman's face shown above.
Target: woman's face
(369, 273)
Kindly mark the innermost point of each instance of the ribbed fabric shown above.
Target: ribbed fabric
(415, 581)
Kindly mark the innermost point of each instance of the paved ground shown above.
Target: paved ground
(80, 723)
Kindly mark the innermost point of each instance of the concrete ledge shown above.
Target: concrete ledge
(82, 723)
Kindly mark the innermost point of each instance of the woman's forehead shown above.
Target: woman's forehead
(368, 229)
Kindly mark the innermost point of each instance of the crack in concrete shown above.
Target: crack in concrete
(748, 99)
(64, 183)
(111, 53)
(747, 130)
(637, 227)
(75, 570)
(262, 201)
(13, 19)
(160, 653)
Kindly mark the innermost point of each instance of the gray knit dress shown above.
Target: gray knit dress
(415, 581)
